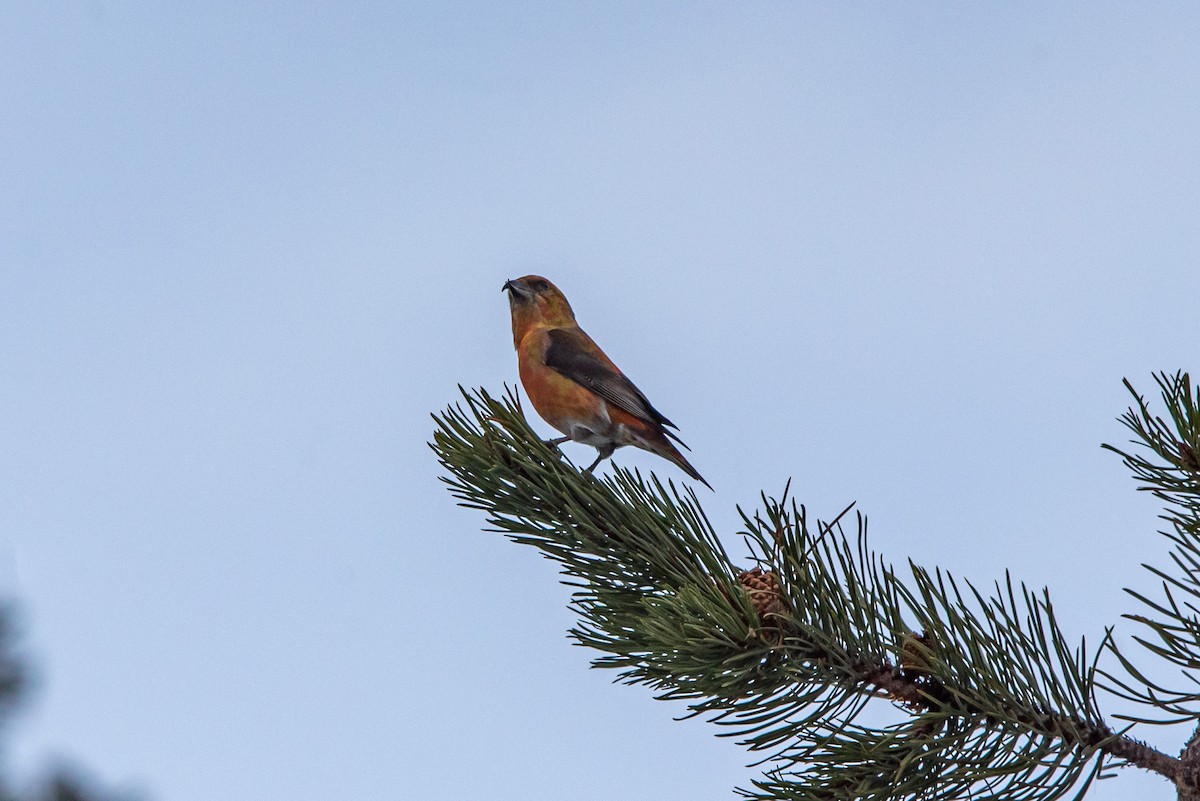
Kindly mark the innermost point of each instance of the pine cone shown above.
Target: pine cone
(914, 654)
(1187, 457)
(763, 589)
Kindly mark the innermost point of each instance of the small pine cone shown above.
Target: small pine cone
(914, 653)
(1187, 457)
(763, 589)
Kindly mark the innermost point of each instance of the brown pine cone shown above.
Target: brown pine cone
(914, 653)
(763, 589)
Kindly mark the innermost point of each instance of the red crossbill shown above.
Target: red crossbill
(574, 386)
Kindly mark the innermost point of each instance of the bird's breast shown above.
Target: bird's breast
(568, 406)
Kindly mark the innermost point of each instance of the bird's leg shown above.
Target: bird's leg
(605, 452)
(554, 443)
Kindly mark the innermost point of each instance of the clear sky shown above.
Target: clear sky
(901, 253)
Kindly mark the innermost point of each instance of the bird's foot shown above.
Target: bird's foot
(604, 454)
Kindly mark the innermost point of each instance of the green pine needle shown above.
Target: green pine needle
(993, 700)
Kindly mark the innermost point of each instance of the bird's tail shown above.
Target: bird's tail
(664, 448)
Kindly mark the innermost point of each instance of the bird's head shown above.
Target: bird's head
(535, 301)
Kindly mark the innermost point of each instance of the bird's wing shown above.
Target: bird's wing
(570, 353)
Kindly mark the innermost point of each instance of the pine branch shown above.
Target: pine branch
(1164, 463)
(988, 698)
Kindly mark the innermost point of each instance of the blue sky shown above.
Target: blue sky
(902, 254)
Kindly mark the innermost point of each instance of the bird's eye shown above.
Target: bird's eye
(539, 285)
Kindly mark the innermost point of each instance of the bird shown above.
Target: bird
(573, 384)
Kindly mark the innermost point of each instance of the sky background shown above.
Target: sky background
(900, 253)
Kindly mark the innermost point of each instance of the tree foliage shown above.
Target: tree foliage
(848, 677)
(62, 784)
(1164, 463)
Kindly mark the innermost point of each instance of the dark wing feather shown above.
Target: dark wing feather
(568, 353)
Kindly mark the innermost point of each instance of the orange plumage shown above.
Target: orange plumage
(574, 386)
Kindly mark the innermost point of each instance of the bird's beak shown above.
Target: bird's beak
(516, 289)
